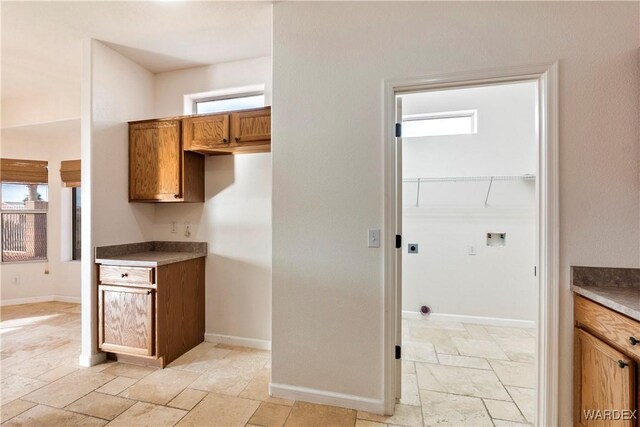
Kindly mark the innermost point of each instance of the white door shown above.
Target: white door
(398, 250)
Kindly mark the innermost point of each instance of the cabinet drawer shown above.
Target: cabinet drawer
(126, 275)
(615, 328)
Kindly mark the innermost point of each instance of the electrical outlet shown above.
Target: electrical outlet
(374, 238)
(471, 250)
(187, 229)
(15, 280)
(174, 227)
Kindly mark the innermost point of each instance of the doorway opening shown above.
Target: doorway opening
(471, 284)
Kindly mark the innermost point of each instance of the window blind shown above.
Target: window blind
(70, 173)
(24, 171)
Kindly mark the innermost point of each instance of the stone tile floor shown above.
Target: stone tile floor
(453, 374)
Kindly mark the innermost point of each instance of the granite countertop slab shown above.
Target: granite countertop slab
(150, 254)
(615, 288)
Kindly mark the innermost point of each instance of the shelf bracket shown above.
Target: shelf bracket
(486, 199)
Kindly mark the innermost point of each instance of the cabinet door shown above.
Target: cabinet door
(252, 127)
(204, 133)
(155, 161)
(604, 381)
(126, 320)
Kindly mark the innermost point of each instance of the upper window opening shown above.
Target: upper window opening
(438, 124)
(229, 103)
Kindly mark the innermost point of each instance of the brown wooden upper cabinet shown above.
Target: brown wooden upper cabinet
(247, 131)
(159, 168)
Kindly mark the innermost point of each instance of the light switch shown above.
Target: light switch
(374, 238)
(472, 250)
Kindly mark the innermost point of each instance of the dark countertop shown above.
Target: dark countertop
(615, 288)
(150, 254)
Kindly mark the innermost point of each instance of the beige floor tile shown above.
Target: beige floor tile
(69, 389)
(410, 394)
(440, 339)
(101, 405)
(280, 401)
(311, 414)
(479, 348)
(117, 385)
(367, 423)
(41, 415)
(464, 361)
(426, 322)
(419, 352)
(477, 331)
(403, 415)
(503, 410)
(505, 423)
(128, 370)
(408, 367)
(57, 373)
(503, 331)
(221, 381)
(220, 410)
(15, 386)
(13, 408)
(521, 357)
(469, 382)
(187, 399)
(426, 380)
(515, 373)
(525, 399)
(160, 386)
(270, 415)
(443, 409)
(525, 345)
(257, 389)
(148, 415)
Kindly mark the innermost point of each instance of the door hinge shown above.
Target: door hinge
(398, 352)
(535, 271)
(398, 241)
(398, 130)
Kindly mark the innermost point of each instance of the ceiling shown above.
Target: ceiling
(42, 41)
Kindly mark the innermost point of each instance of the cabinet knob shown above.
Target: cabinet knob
(237, 138)
(224, 140)
(176, 196)
(622, 364)
(123, 275)
(634, 340)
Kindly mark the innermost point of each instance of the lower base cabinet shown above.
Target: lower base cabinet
(151, 316)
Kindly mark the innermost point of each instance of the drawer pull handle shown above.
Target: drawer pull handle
(148, 292)
(123, 275)
(622, 364)
(176, 196)
(634, 340)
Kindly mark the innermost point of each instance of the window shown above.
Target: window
(229, 103)
(76, 224)
(24, 221)
(437, 124)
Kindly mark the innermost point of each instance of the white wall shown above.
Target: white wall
(52, 142)
(115, 90)
(329, 62)
(495, 282)
(236, 217)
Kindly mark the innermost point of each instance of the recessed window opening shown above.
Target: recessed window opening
(437, 124)
(229, 103)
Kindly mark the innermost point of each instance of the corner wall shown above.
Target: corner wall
(236, 217)
(329, 64)
(115, 91)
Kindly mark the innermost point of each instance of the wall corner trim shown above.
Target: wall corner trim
(291, 392)
(92, 360)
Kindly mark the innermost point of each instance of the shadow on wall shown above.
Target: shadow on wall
(238, 298)
(219, 171)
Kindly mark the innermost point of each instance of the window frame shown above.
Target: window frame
(473, 114)
(197, 101)
(44, 212)
(76, 253)
(190, 100)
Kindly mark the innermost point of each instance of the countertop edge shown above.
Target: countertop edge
(615, 306)
(139, 263)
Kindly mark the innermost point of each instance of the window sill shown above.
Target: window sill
(33, 261)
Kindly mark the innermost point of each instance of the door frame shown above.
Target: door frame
(547, 322)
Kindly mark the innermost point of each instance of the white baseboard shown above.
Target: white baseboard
(323, 397)
(239, 341)
(92, 360)
(46, 298)
(479, 320)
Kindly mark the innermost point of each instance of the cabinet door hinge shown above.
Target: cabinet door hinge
(398, 241)
(398, 352)
(398, 130)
